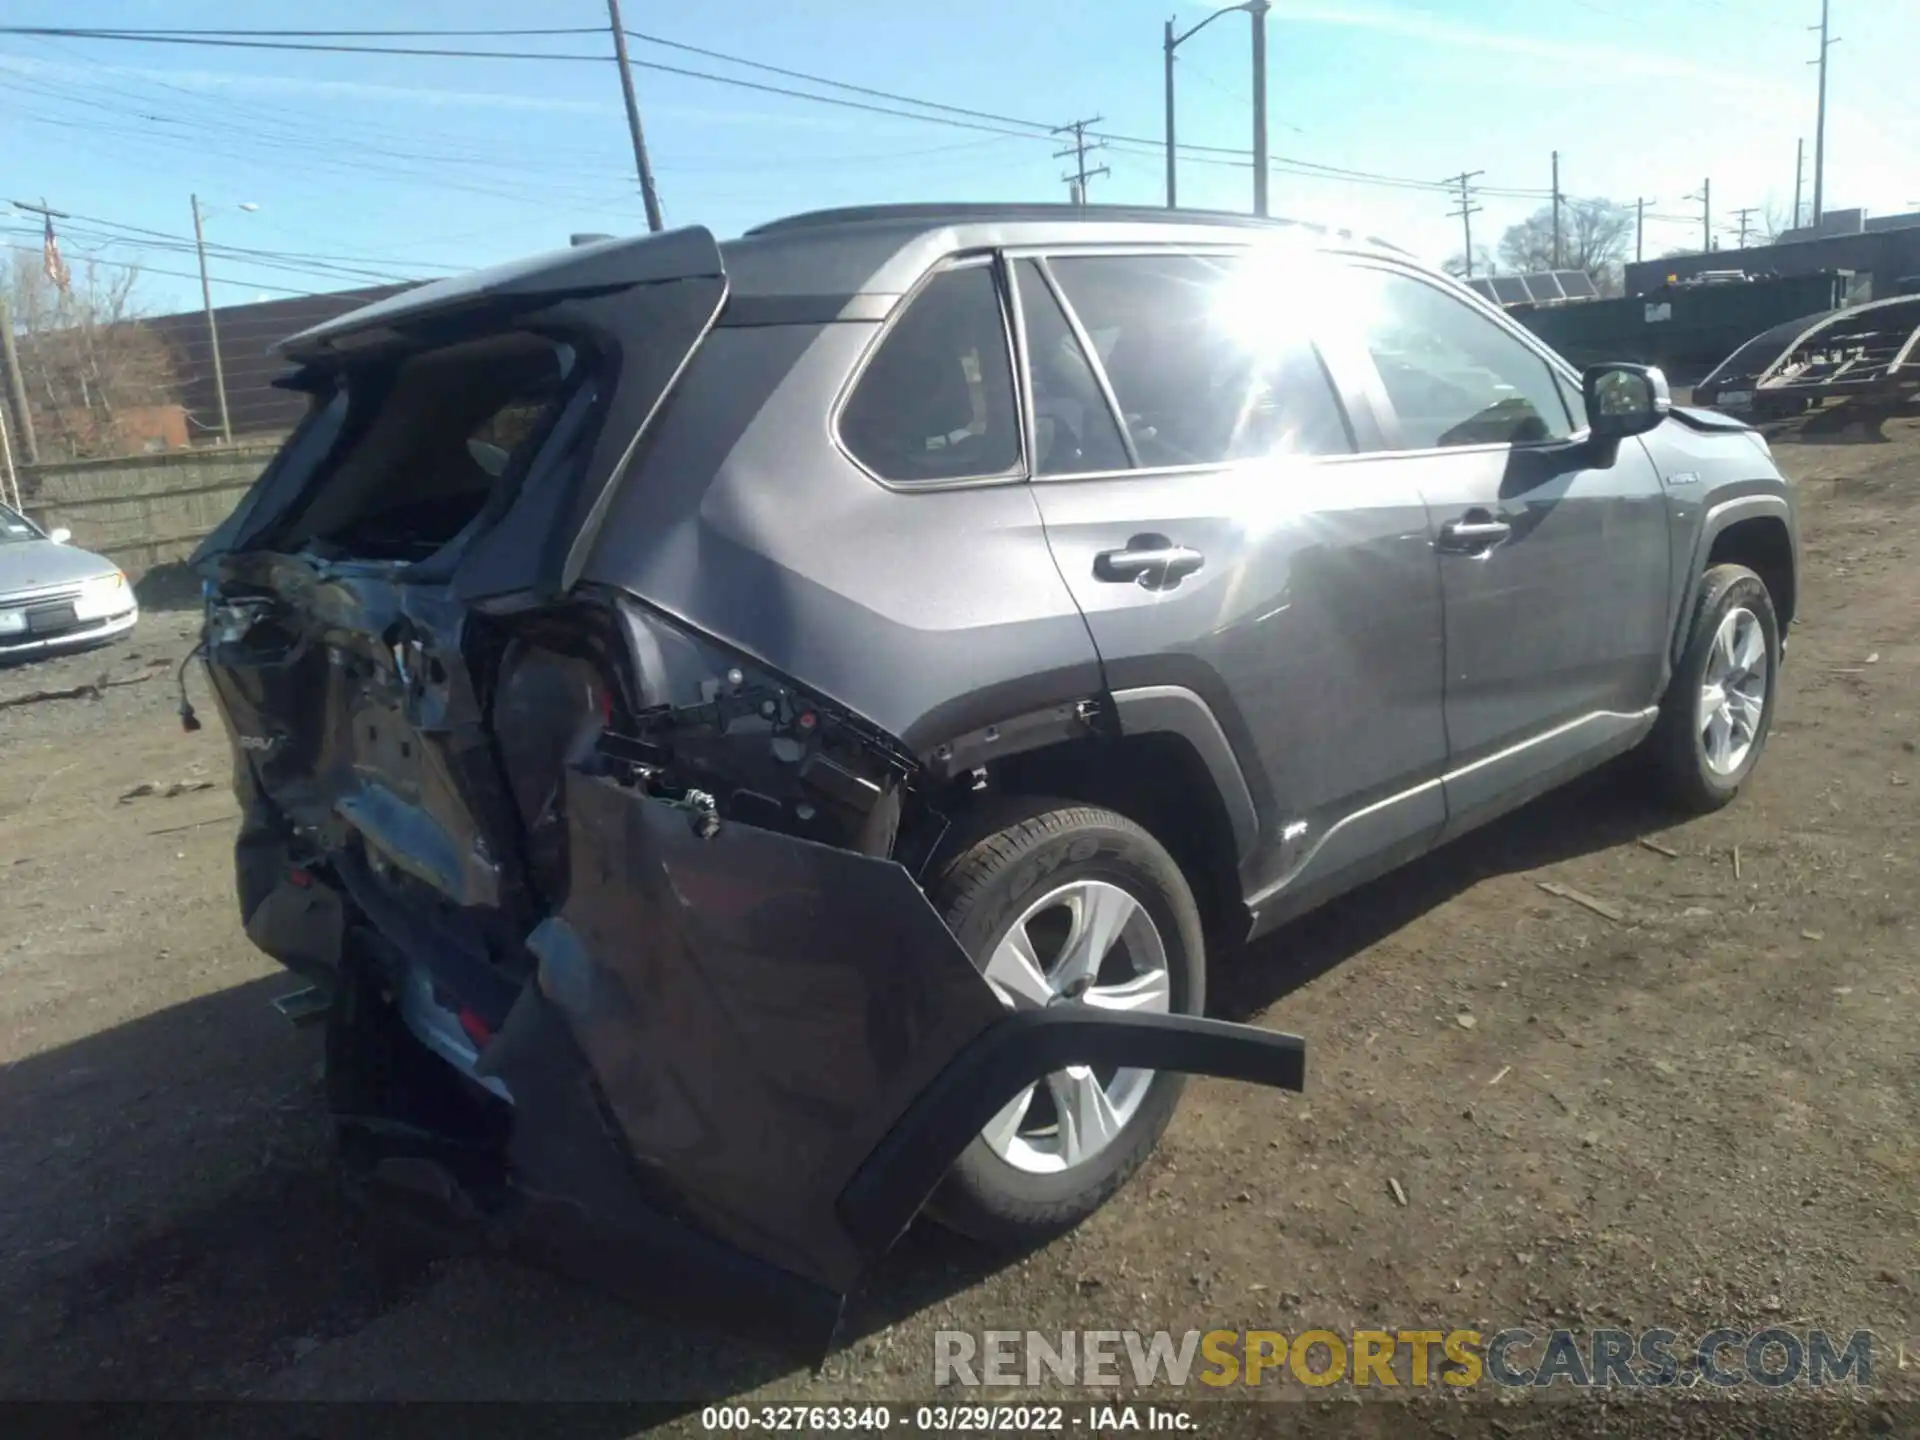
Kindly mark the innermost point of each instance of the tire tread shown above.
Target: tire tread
(1001, 835)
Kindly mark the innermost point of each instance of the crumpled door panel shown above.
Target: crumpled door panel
(791, 1042)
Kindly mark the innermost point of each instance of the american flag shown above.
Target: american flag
(56, 267)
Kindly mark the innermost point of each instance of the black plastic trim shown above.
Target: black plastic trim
(1175, 710)
(894, 1181)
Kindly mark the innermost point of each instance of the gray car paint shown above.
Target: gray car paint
(750, 524)
(1309, 661)
(1373, 694)
(1714, 477)
(1376, 696)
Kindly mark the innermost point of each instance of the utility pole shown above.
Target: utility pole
(16, 379)
(1466, 212)
(1172, 40)
(16, 383)
(1078, 150)
(1639, 229)
(648, 195)
(9, 477)
(1705, 197)
(1557, 263)
(1820, 120)
(1799, 172)
(1257, 9)
(1743, 214)
(213, 331)
(1167, 46)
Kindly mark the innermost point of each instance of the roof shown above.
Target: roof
(881, 250)
(977, 212)
(812, 264)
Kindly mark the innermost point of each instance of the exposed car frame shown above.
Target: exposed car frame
(1867, 355)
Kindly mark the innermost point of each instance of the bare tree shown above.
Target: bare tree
(94, 374)
(1595, 236)
(1775, 221)
(1483, 263)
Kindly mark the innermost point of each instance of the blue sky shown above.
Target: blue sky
(392, 165)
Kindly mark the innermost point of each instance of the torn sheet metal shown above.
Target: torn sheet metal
(790, 1039)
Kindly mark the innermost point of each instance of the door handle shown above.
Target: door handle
(1152, 561)
(1475, 531)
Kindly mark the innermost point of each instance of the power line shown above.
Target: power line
(832, 84)
(234, 147)
(104, 232)
(176, 274)
(155, 37)
(202, 31)
(952, 115)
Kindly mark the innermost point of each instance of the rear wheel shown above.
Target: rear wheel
(1068, 904)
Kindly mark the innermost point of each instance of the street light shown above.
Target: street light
(1257, 9)
(206, 300)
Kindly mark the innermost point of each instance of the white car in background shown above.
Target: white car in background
(54, 597)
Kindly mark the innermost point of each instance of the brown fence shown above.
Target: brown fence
(142, 510)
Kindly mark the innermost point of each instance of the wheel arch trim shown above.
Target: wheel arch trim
(1176, 710)
(1719, 518)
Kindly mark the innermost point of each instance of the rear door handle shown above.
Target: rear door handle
(1152, 561)
(1475, 531)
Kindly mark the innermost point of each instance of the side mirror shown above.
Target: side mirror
(60, 535)
(1624, 400)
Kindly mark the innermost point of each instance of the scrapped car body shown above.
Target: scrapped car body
(752, 741)
(1868, 355)
(54, 597)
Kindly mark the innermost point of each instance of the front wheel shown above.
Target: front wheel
(1713, 723)
(1068, 904)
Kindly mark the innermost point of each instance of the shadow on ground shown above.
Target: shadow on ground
(228, 1249)
(1596, 812)
(171, 586)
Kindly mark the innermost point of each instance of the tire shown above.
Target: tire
(1045, 865)
(1688, 772)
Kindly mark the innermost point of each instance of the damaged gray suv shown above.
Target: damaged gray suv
(749, 741)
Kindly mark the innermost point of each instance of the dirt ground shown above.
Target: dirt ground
(1707, 1113)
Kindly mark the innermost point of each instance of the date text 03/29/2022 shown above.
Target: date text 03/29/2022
(957, 1419)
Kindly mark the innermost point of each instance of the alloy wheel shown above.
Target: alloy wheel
(1087, 942)
(1733, 692)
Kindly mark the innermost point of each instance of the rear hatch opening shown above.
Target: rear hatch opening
(435, 446)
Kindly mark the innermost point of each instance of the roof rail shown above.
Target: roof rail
(935, 213)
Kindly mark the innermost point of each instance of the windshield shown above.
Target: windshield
(15, 527)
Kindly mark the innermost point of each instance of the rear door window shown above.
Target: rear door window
(936, 400)
(1074, 430)
(1206, 364)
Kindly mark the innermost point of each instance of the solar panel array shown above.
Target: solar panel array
(1538, 286)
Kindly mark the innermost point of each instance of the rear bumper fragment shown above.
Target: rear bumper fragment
(742, 1065)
